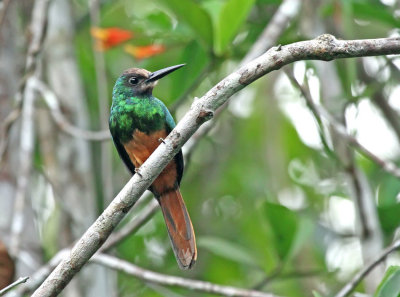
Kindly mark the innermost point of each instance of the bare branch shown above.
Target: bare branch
(53, 103)
(278, 24)
(349, 287)
(340, 129)
(145, 214)
(13, 285)
(325, 47)
(40, 275)
(169, 280)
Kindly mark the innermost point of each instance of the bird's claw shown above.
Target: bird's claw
(137, 171)
(161, 140)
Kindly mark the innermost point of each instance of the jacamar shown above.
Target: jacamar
(138, 123)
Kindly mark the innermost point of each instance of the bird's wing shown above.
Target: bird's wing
(122, 153)
(170, 124)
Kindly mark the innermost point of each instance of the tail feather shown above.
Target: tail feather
(180, 228)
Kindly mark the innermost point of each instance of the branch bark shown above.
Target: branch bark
(325, 47)
(169, 280)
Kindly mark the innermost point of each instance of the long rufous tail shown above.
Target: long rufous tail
(180, 228)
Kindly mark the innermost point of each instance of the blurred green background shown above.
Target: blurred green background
(275, 196)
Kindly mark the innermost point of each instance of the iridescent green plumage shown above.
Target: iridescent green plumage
(129, 112)
(138, 123)
(137, 109)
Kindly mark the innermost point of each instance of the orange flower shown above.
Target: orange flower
(143, 52)
(107, 38)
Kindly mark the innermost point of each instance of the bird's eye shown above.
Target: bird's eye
(133, 81)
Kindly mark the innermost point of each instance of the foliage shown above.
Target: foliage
(269, 198)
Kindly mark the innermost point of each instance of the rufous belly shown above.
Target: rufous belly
(141, 147)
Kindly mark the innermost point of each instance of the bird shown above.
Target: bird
(139, 123)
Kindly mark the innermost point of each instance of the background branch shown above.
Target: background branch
(341, 130)
(350, 286)
(63, 124)
(162, 279)
(13, 285)
(37, 27)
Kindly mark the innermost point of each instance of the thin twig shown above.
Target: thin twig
(378, 97)
(13, 285)
(63, 124)
(325, 47)
(169, 280)
(132, 226)
(350, 286)
(369, 230)
(389, 167)
(278, 24)
(43, 272)
(40, 275)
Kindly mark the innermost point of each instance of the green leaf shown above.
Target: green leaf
(390, 285)
(231, 17)
(284, 225)
(228, 250)
(195, 17)
(389, 217)
(377, 12)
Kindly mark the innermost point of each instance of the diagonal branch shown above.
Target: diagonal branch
(63, 124)
(325, 47)
(278, 24)
(13, 285)
(169, 280)
(350, 286)
(340, 129)
(138, 221)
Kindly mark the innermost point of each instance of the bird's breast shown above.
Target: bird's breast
(142, 144)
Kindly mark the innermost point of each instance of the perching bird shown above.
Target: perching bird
(138, 123)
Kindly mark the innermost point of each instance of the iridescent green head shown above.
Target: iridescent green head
(139, 82)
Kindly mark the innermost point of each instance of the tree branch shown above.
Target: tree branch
(349, 287)
(131, 227)
(169, 280)
(340, 129)
(278, 24)
(63, 124)
(13, 285)
(325, 47)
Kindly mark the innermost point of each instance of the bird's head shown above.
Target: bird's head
(140, 82)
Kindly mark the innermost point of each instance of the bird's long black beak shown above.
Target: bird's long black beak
(156, 75)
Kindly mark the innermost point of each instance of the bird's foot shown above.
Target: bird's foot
(161, 140)
(137, 171)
